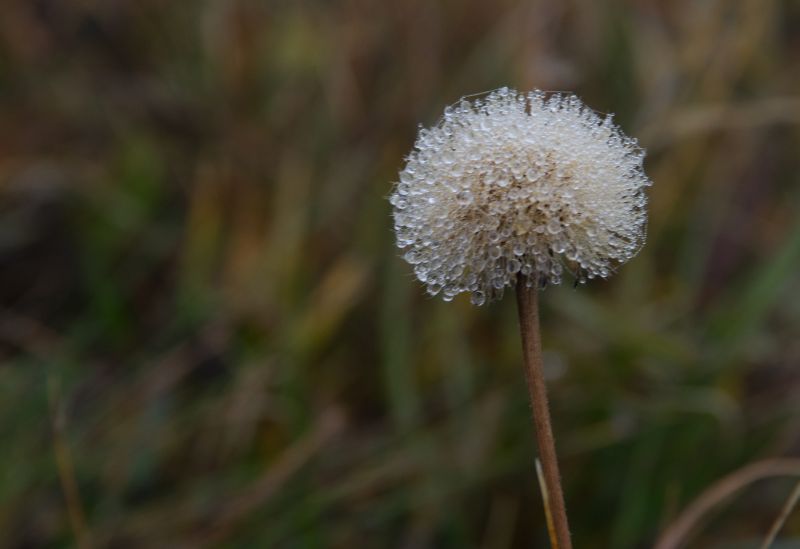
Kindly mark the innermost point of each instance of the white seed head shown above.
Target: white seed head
(516, 185)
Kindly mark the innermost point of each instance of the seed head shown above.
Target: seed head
(516, 184)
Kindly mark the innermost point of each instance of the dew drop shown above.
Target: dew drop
(478, 298)
(464, 197)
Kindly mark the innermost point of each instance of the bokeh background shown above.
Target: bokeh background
(208, 338)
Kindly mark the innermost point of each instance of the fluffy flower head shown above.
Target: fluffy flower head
(515, 186)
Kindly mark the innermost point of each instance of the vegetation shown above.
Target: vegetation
(208, 338)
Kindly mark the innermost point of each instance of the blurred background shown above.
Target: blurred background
(207, 335)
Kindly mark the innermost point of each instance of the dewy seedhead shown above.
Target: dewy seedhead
(518, 184)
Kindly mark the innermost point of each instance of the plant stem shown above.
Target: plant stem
(676, 533)
(548, 513)
(778, 524)
(527, 303)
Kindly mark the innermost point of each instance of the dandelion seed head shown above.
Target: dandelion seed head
(515, 185)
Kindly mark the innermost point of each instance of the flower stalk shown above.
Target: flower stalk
(527, 304)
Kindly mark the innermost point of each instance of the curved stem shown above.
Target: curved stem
(677, 532)
(794, 497)
(527, 303)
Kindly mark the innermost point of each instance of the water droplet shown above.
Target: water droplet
(464, 197)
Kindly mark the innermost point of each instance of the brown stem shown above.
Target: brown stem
(794, 497)
(66, 469)
(527, 303)
(677, 532)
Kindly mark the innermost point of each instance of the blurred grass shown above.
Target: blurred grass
(199, 276)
